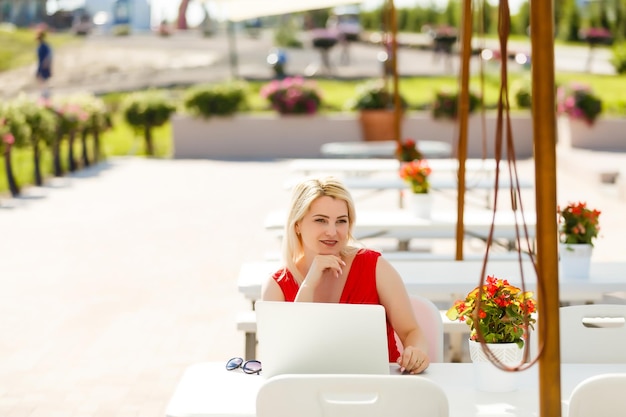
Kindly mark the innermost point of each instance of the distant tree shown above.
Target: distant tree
(402, 19)
(452, 14)
(485, 18)
(570, 22)
(372, 20)
(415, 19)
(521, 20)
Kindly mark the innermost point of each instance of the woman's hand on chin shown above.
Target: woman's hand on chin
(323, 265)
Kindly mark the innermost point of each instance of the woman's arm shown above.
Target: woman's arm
(393, 296)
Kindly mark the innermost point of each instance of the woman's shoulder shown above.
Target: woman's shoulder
(367, 253)
(281, 273)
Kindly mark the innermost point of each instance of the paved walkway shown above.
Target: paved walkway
(116, 279)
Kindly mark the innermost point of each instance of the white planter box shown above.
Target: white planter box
(260, 136)
(606, 134)
(300, 136)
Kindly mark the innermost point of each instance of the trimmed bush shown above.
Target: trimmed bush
(145, 110)
(215, 99)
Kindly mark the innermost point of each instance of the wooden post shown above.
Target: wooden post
(397, 103)
(463, 115)
(544, 132)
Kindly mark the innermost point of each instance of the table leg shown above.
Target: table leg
(250, 346)
(456, 347)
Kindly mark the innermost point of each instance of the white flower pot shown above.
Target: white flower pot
(421, 205)
(488, 377)
(574, 260)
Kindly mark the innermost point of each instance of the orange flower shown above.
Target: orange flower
(579, 224)
(416, 174)
(502, 314)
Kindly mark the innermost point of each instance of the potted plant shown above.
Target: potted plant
(446, 104)
(578, 226)
(376, 107)
(406, 151)
(292, 95)
(500, 315)
(578, 102)
(416, 173)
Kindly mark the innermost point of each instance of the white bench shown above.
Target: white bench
(360, 167)
(246, 322)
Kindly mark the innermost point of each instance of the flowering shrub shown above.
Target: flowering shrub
(596, 35)
(446, 104)
(578, 102)
(407, 152)
(578, 224)
(499, 310)
(416, 174)
(292, 95)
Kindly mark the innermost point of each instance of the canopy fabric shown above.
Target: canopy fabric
(239, 10)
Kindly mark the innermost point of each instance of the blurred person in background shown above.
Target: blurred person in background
(44, 63)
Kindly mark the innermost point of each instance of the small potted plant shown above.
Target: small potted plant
(416, 173)
(500, 315)
(292, 95)
(406, 151)
(376, 106)
(578, 102)
(446, 104)
(578, 226)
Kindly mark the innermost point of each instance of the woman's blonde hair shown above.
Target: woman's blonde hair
(303, 195)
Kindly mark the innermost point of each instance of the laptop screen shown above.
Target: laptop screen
(321, 338)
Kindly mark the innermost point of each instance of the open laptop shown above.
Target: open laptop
(321, 338)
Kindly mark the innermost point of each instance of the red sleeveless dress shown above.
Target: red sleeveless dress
(360, 288)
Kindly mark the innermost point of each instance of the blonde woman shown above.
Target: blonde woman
(322, 264)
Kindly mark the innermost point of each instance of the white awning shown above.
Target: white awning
(238, 10)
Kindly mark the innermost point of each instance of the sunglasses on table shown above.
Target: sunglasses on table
(249, 367)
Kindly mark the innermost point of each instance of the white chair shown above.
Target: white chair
(593, 333)
(599, 396)
(350, 396)
(429, 319)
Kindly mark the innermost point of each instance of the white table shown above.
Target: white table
(475, 181)
(404, 225)
(444, 281)
(437, 182)
(383, 149)
(209, 390)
